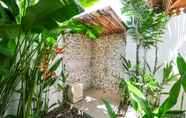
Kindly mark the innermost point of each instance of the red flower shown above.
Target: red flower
(59, 50)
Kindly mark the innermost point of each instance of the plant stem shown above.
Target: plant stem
(156, 59)
(145, 60)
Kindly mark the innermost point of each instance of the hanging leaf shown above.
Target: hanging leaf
(181, 64)
(47, 13)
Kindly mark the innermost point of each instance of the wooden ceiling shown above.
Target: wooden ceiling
(106, 18)
(170, 6)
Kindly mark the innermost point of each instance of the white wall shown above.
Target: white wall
(174, 41)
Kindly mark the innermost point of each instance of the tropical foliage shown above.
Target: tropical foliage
(28, 35)
(141, 89)
(75, 26)
(141, 103)
(145, 25)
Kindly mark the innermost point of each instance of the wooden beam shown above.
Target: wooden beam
(170, 6)
(106, 18)
(178, 4)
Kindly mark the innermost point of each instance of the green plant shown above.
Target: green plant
(145, 25)
(175, 91)
(75, 26)
(23, 47)
(29, 30)
(168, 78)
(141, 103)
(151, 88)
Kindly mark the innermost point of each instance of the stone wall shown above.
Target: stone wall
(77, 59)
(106, 60)
(94, 63)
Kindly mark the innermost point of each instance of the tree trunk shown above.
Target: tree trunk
(182, 101)
(137, 59)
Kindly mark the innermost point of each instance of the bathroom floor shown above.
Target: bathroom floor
(93, 105)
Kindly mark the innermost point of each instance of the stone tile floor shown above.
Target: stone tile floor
(93, 105)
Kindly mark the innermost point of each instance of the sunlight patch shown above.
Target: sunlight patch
(89, 99)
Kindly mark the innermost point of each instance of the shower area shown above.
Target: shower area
(96, 63)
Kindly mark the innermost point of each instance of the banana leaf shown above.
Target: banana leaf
(46, 14)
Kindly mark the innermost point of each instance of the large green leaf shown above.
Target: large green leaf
(47, 13)
(171, 100)
(181, 64)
